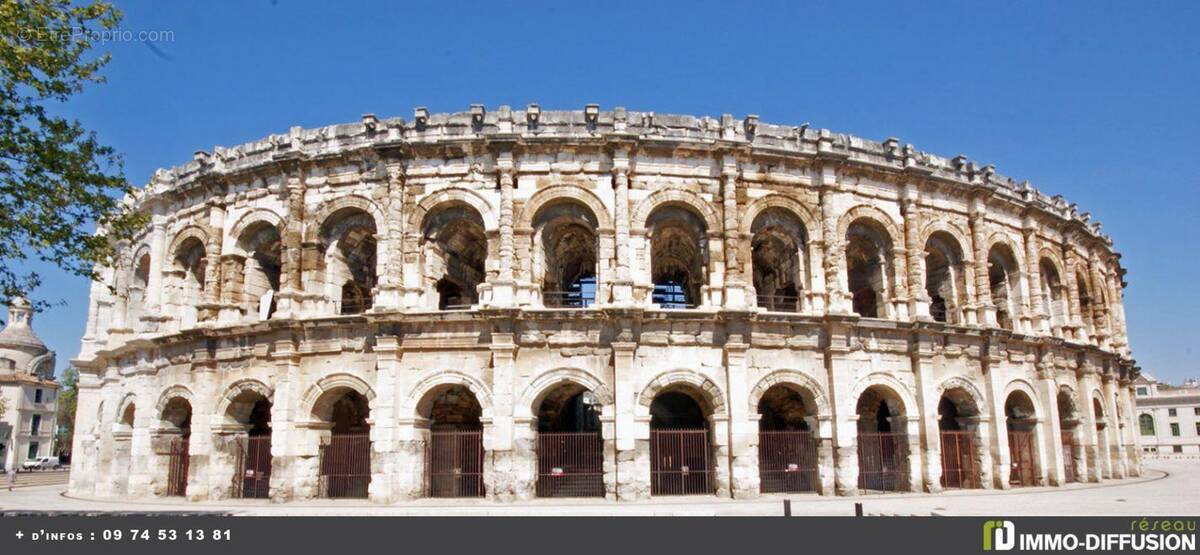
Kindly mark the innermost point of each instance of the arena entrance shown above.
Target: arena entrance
(251, 412)
(1068, 421)
(570, 448)
(1021, 423)
(345, 455)
(956, 414)
(882, 441)
(787, 446)
(454, 457)
(681, 458)
(177, 418)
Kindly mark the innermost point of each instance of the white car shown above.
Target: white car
(42, 463)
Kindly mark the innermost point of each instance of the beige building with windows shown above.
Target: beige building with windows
(1168, 417)
(28, 390)
(527, 303)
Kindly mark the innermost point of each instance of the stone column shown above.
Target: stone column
(212, 253)
(838, 299)
(743, 422)
(391, 282)
(1052, 459)
(997, 424)
(983, 288)
(927, 401)
(1039, 318)
(622, 288)
(1100, 309)
(158, 247)
(1115, 426)
(1076, 316)
(84, 443)
(503, 461)
(140, 449)
(504, 288)
(386, 458)
(284, 414)
(633, 465)
(288, 302)
(735, 282)
(1088, 436)
(200, 442)
(840, 375)
(918, 306)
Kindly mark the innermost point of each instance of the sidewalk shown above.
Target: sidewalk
(1166, 488)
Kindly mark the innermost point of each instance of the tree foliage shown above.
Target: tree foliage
(68, 399)
(56, 179)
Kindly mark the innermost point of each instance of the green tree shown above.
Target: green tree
(68, 399)
(56, 179)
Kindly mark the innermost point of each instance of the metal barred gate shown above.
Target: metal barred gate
(883, 461)
(787, 461)
(1071, 471)
(454, 464)
(958, 460)
(177, 467)
(570, 464)
(253, 477)
(345, 466)
(681, 462)
(1020, 455)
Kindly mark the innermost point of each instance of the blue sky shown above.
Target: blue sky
(1099, 102)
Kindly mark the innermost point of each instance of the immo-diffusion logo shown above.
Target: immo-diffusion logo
(1143, 535)
(1000, 535)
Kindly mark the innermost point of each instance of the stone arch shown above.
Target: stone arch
(420, 392)
(712, 394)
(142, 249)
(188, 232)
(954, 231)
(416, 220)
(248, 220)
(784, 202)
(791, 379)
(537, 390)
(322, 215)
(308, 403)
(1001, 238)
(1023, 385)
(892, 384)
(565, 192)
(129, 401)
(1056, 261)
(874, 215)
(966, 385)
(172, 392)
(678, 197)
(241, 386)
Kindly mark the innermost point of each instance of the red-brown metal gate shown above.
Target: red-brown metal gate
(570, 464)
(958, 460)
(1071, 472)
(883, 461)
(1020, 454)
(787, 462)
(345, 466)
(253, 477)
(454, 464)
(177, 467)
(681, 462)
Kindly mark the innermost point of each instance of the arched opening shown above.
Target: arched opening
(566, 261)
(678, 256)
(1002, 279)
(349, 240)
(1068, 421)
(882, 440)
(1054, 295)
(1146, 424)
(868, 268)
(681, 454)
(779, 259)
(958, 421)
(176, 424)
(454, 466)
(248, 436)
(122, 436)
(345, 451)
(945, 278)
(1021, 423)
(188, 272)
(261, 268)
(570, 447)
(454, 248)
(1103, 445)
(1085, 304)
(787, 446)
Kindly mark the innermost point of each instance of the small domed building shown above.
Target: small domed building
(28, 390)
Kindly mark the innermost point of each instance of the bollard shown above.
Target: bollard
(787, 507)
(858, 509)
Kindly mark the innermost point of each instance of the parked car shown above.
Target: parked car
(42, 463)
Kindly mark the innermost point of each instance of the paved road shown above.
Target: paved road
(1167, 488)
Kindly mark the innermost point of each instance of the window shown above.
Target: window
(36, 424)
(1196, 411)
(37, 395)
(1175, 429)
(1147, 424)
(1141, 391)
(33, 450)
(1171, 412)
(1177, 449)
(1198, 428)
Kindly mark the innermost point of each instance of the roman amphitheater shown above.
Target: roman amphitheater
(513, 304)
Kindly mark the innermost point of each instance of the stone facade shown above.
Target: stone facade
(28, 392)
(403, 274)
